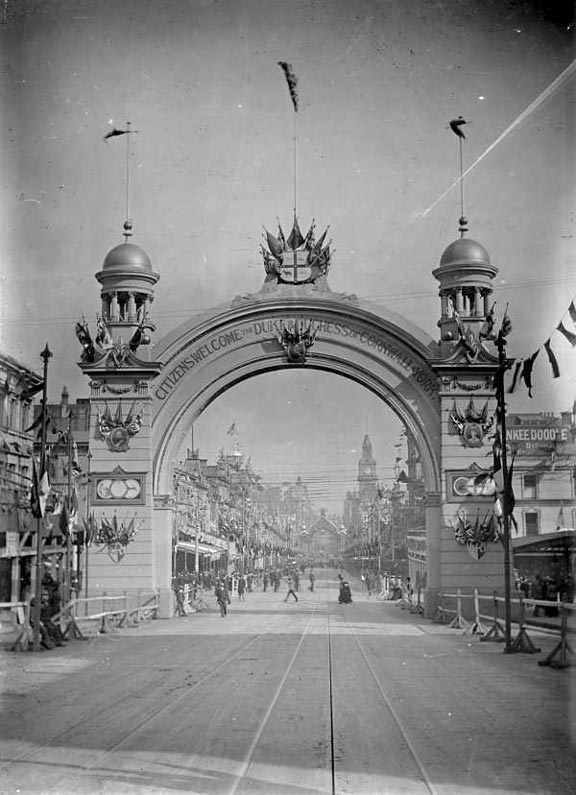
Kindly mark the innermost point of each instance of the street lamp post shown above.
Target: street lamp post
(199, 525)
(88, 529)
(45, 356)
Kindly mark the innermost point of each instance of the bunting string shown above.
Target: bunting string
(523, 368)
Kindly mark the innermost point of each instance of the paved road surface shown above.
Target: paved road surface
(287, 699)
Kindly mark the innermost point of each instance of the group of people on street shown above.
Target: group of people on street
(546, 588)
(188, 588)
(51, 634)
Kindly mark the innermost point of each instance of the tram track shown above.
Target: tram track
(427, 781)
(72, 729)
(241, 772)
(335, 763)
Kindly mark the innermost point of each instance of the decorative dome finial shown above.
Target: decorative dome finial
(127, 230)
(463, 225)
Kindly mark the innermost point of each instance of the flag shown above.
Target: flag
(560, 521)
(114, 132)
(506, 326)
(84, 338)
(231, 430)
(295, 238)
(517, 367)
(526, 374)
(64, 520)
(30, 391)
(275, 245)
(511, 501)
(487, 328)
(39, 493)
(75, 466)
(72, 504)
(552, 359)
(35, 424)
(570, 336)
(504, 499)
(103, 337)
(572, 312)
(292, 81)
(455, 126)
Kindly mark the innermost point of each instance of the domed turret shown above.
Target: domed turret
(464, 251)
(128, 282)
(465, 275)
(127, 257)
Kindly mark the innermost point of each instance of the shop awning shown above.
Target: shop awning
(562, 542)
(203, 549)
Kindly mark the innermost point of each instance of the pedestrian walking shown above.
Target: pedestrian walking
(222, 597)
(241, 588)
(312, 579)
(291, 591)
(368, 581)
(265, 582)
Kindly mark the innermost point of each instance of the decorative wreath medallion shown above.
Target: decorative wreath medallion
(117, 430)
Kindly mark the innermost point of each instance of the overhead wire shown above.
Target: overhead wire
(26, 320)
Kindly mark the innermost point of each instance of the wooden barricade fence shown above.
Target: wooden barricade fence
(107, 611)
(450, 605)
(15, 627)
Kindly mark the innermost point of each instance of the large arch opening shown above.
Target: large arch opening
(302, 423)
(376, 349)
(369, 345)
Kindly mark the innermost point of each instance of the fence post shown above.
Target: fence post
(496, 632)
(459, 622)
(476, 628)
(418, 607)
(439, 611)
(522, 642)
(562, 648)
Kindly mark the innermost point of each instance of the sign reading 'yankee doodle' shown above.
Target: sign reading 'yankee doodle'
(269, 329)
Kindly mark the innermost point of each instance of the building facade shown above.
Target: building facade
(18, 384)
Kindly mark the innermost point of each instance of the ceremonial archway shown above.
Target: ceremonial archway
(441, 391)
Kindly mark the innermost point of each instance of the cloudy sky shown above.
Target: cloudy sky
(212, 162)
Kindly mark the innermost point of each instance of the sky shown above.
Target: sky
(212, 163)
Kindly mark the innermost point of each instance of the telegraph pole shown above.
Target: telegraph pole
(501, 402)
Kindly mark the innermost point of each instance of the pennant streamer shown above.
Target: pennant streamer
(523, 367)
(552, 359)
(517, 369)
(526, 374)
(292, 81)
(568, 334)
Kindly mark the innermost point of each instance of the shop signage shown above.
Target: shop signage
(535, 438)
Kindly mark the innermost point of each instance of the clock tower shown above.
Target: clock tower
(367, 477)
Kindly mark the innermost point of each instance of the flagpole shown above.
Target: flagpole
(462, 216)
(88, 529)
(295, 161)
(68, 580)
(45, 356)
(501, 400)
(128, 131)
